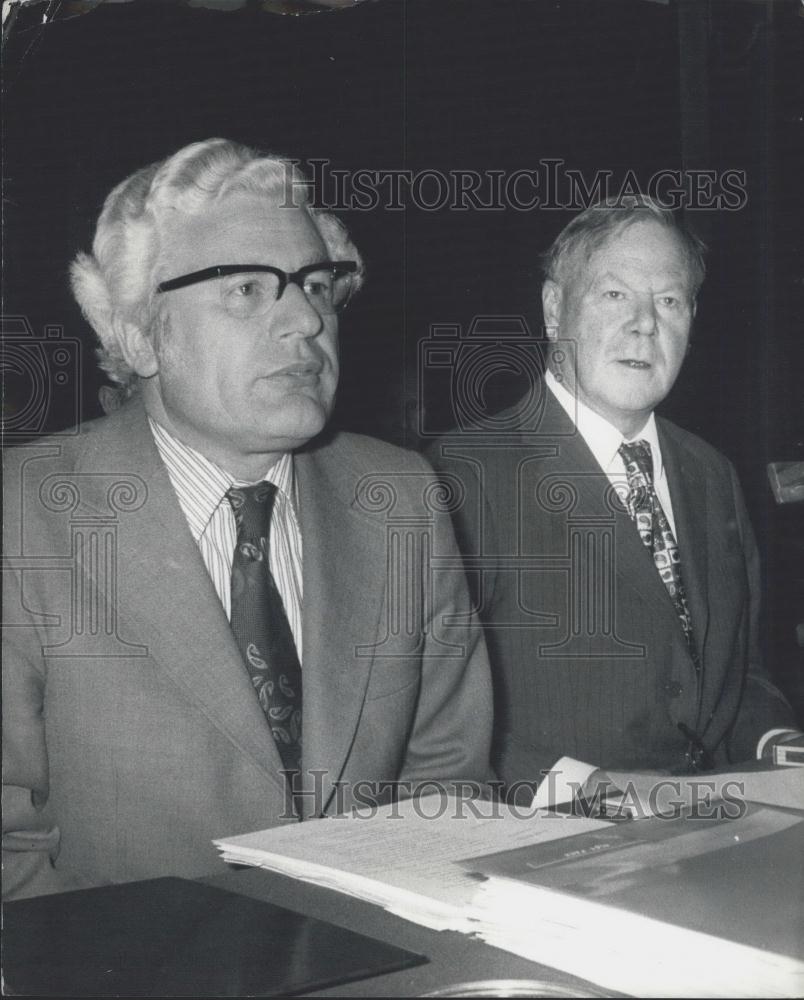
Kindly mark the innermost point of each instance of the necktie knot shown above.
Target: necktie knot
(638, 460)
(252, 506)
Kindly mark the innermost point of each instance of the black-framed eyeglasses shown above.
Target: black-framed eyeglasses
(250, 290)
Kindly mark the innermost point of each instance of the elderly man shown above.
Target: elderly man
(203, 601)
(611, 553)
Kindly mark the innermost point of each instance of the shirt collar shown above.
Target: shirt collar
(201, 485)
(603, 438)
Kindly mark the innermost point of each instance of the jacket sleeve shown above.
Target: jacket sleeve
(762, 705)
(30, 831)
(451, 734)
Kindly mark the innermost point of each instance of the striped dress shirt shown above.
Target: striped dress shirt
(201, 487)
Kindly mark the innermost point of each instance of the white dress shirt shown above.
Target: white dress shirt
(604, 440)
(201, 487)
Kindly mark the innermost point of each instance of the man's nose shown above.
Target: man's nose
(293, 313)
(644, 318)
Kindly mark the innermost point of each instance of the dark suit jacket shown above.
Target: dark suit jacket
(132, 735)
(588, 658)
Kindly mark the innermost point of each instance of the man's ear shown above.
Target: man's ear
(137, 347)
(689, 338)
(551, 305)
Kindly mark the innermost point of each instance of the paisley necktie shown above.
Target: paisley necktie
(655, 531)
(260, 624)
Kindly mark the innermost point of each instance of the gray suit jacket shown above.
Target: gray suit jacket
(588, 657)
(132, 736)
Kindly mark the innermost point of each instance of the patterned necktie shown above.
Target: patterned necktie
(655, 531)
(260, 624)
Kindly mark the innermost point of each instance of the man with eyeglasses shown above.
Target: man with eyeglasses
(213, 642)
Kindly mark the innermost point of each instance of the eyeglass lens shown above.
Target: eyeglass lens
(245, 296)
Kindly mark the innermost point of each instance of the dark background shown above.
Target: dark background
(623, 85)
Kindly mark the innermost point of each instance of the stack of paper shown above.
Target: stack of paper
(402, 857)
(682, 907)
(629, 952)
(672, 934)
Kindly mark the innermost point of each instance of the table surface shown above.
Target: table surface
(457, 958)
(453, 958)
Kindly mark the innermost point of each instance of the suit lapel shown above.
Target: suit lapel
(687, 481)
(344, 588)
(164, 586)
(633, 561)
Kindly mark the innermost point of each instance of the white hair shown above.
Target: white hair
(117, 281)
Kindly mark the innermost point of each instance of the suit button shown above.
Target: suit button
(673, 688)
